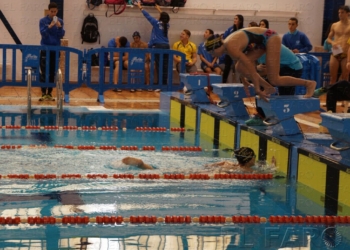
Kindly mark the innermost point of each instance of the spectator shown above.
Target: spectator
(209, 63)
(296, 40)
(159, 38)
(139, 44)
(119, 42)
(253, 24)
(51, 31)
(264, 23)
(189, 49)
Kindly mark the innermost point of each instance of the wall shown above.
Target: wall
(24, 17)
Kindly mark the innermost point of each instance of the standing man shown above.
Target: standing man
(189, 49)
(340, 32)
(296, 40)
(52, 31)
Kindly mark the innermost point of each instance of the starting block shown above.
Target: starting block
(280, 111)
(231, 96)
(195, 85)
(338, 125)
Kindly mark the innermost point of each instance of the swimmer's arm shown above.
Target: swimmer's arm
(330, 36)
(220, 164)
(136, 162)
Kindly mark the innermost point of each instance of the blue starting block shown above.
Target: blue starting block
(231, 96)
(338, 125)
(195, 85)
(280, 111)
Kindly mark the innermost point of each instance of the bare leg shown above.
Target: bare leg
(116, 72)
(208, 70)
(254, 55)
(247, 69)
(147, 73)
(344, 76)
(333, 69)
(273, 51)
(217, 71)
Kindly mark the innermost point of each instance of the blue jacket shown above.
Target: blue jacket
(298, 40)
(202, 51)
(50, 36)
(228, 32)
(157, 35)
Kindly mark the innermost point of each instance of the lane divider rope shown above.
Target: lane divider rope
(92, 128)
(179, 219)
(141, 176)
(107, 147)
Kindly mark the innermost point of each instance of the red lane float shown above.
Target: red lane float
(10, 147)
(178, 129)
(123, 176)
(112, 128)
(151, 129)
(149, 176)
(149, 148)
(181, 148)
(131, 148)
(243, 176)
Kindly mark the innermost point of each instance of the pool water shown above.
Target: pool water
(113, 197)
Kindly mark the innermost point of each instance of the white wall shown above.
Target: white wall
(24, 15)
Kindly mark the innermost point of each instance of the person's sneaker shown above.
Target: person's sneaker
(188, 92)
(222, 104)
(49, 97)
(320, 91)
(157, 90)
(139, 90)
(117, 90)
(42, 98)
(150, 90)
(132, 90)
(255, 121)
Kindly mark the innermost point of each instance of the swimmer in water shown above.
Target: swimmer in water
(132, 161)
(244, 155)
(246, 160)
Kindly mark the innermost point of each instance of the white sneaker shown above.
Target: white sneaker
(132, 90)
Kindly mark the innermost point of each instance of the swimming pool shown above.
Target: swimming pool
(129, 198)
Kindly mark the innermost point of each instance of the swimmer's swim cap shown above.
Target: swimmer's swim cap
(213, 42)
(244, 155)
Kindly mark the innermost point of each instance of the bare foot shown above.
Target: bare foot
(310, 88)
(263, 95)
(269, 91)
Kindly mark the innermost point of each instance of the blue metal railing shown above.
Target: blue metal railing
(78, 69)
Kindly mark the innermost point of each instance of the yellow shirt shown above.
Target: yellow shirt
(187, 49)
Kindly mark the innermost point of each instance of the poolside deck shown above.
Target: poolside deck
(84, 96)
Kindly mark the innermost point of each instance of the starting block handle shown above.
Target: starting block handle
(332, 146)
(267, 123)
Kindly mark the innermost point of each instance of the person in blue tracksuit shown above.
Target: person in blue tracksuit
(51, 31)
(159, 38)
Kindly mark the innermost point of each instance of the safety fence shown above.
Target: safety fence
(145, 68)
